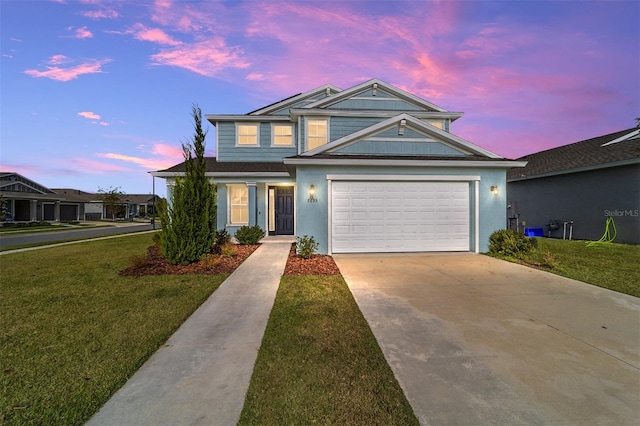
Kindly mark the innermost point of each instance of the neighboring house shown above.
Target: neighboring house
(371, 168)
(27, 200)
(582, 184)
(131, 205)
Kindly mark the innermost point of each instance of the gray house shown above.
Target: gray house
(577, 187)
(371, 168)
(26, 200)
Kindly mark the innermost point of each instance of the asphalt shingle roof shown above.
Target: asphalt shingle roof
(233, 166)
(579, 155)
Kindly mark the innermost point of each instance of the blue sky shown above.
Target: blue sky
(95, 94)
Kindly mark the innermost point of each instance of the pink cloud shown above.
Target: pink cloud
(83, 33)
(147, 163)
(165, 150)
(96, 167)
(91, 66)
(90, 115)
(100, 14)
(153, 35)
(207, 57)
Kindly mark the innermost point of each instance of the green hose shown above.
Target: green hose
(609, 235)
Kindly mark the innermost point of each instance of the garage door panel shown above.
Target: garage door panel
(400, 216)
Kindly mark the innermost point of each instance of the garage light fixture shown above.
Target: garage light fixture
(495, 190)
(312, 194)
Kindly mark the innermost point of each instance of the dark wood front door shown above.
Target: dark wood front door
(284, 210)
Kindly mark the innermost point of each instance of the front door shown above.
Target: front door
(284, 210)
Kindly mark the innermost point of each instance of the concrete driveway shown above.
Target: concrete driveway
(475, 340)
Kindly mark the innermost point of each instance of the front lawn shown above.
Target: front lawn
(319, 362)
(609, 265)
(72, 330)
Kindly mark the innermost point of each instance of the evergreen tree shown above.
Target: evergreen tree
(189, 222)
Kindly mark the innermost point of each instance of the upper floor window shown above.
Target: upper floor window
(282, 135)
(247, 134)
(316, 133)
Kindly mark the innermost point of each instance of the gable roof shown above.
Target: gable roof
(325, 90)
(10, 181)
(613, 149)
(375, 84)
(465, 146)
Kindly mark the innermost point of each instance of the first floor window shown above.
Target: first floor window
(238, 204)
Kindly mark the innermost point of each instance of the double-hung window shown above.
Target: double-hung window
(246, 134)
(317, 131)
(281, 135)
(238, 204)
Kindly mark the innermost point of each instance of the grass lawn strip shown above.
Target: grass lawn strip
(72, 330)
(319, 362)
(612, 266)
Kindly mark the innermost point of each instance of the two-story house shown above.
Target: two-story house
(371, 168)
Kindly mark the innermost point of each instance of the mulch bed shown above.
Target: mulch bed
(155, 264)
(318, 264)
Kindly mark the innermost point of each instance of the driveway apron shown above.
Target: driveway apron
(201, 375)
(476, 340)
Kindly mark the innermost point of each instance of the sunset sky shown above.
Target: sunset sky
(98, 93)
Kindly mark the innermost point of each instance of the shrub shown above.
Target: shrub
(510, 243)
(249, 234)
(137, 260)
(306, 246)
(209, 260)
(228, 249)
(44, 223)
(222, 238)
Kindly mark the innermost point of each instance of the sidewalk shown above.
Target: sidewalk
(201, 375)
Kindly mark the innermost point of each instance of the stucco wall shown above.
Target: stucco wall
(586, 198)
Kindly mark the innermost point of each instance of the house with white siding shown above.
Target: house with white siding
(371, 168)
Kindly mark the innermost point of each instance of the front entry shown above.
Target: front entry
(281, 210)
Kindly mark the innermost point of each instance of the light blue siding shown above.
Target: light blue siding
(228, 151)
(382, 101)
(400, 148)
(492, 208)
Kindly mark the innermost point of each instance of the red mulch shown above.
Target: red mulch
(318, 264)
(154, 263)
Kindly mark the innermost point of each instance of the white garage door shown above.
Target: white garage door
(399, 216)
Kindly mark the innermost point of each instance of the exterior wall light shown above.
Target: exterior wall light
(495, 190)
(312, 194)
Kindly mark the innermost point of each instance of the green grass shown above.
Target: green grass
(72, 330)
(612, 266)
(319, 363)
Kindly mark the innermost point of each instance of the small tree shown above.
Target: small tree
(4, 211)
(111, 199)
(189, 219)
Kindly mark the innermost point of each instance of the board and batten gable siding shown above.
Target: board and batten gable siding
(377, 147)
(228, 151)
(381, 101)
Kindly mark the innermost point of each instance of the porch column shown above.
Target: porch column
(33, 210)
(56, 211)
(253, 203)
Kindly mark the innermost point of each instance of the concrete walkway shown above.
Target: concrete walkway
(476, 340)
(201, 375)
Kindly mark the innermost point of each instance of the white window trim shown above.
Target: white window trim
(230, 205)
(273, 135)
(306, 131)
(257, 126)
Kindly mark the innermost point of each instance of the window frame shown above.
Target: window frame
(257, 134)
(273, 135)
(231, 205)
(307, 136)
